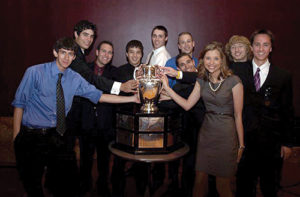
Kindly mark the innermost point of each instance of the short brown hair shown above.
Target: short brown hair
(180, 55)
(65, 43)
(262, 31)
(161, 28)
(185, 33)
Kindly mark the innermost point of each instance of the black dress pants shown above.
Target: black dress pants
(91, 141)
(36, 151)
(261, 165)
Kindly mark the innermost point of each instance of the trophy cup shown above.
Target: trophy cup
(149, 131)
(149, 87)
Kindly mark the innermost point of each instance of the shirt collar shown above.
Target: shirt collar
(263, 67)
(55, 70)
(159, 49)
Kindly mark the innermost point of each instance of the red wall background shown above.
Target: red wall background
(30, 27)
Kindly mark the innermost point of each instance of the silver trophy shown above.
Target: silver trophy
(149, 87)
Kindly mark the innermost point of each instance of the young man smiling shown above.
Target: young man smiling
(84, 34)
(186, 45)
(159, 55)
(134, 55)
(97, 127)
(268, 117)
(42, 100)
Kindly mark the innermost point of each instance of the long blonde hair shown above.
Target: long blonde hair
(224, 70)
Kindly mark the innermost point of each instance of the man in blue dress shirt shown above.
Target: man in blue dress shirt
(37, 143)
(186, 45)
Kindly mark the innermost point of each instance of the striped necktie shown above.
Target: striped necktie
(257, 80)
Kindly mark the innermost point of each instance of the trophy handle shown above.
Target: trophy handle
(135, 69)
(140, 67)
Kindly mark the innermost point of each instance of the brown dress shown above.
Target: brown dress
(217, 140)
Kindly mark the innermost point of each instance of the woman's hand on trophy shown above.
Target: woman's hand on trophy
(165, 81)
(129, 86)
(164, 96)
(169, 71)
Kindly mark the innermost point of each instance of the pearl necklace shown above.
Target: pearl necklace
(216, 89)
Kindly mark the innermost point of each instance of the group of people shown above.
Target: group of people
(243, 112)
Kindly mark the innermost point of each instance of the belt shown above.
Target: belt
(42, 131)
(219, 113)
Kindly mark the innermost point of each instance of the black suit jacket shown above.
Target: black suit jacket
(123, 74)
(189, 77)
(100, 115)
(268, 113)
(80, 65)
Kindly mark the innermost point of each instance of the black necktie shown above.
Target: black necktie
(60, 107)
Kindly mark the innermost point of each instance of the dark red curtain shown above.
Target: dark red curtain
(30, 27)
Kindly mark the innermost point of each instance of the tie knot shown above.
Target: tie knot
(257, 70)
(60, 76)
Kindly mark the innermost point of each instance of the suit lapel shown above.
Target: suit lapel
(79, 54)
(251, 77)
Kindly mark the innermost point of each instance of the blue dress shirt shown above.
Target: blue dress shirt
(36, 93)
(172, 63)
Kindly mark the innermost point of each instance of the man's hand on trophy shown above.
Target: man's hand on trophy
(137, 97)
(169, 71)
(138, 72)
(129, 86)
(159, 71)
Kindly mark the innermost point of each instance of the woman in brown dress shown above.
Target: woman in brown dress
(220, 141)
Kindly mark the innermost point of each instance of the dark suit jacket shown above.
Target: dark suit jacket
(268, 113)
(100, 115)
(80, 65)
(123, 74)
(189, 77)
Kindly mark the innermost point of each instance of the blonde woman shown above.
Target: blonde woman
(220, 142)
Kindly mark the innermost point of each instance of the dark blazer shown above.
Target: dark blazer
(189, 77)
(123, 74)
(100, 115)
(268, 113)
(80, 65)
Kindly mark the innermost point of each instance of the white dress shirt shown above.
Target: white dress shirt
(160, 56)
(264, 71)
